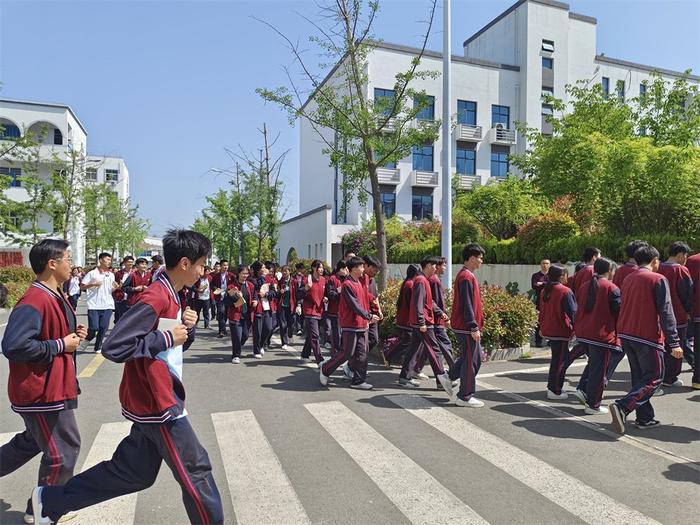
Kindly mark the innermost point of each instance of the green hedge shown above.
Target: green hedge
(17, 279)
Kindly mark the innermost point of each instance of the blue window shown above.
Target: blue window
(547, 63)
(499, 163)
(388, 165)
(466, 112)
(620, 88)
(642, 90)
(605, 82)
(388, 199)
(428, 112)
(9, 132)
(500, 114)
(384, 100)
(423, 158)
(422, 206)
(14, 173)
(466, 161)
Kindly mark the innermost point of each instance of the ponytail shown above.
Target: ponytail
(600, 267)
(554, 274)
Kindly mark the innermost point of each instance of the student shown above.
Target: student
(467, 321)
(99, 285)
(422, 321)
(241, 310)
(212, 297)
(693, 265)
(348, 254)
(312, 306)
(272, 278)
(156, 267)
(590, 254)
(152, 397)
(219, 284)
(442, 320)
(557, 314)
(370, 285)
(119, 295)
(681, 288)
(631, 265)
(646, 321)
(201, 294)
(299, 281)
(285, 307)
(354, 318)
(74, 287)
(403, 307)
(137, 281)
(596, 331)
(537, 282)
(39, 342)
(265, 307)
(333, 289)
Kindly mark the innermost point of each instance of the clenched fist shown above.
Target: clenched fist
(81, 331)
(189, 317)
(70, 342)
(179, 334)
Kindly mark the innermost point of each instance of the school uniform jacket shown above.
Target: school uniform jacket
(286, 285)
(693, 265)
(583, 275)
(135, 279)
(247, 290)
(646, 314)
(557, 314)
(298, 282)
(623, 271)
(353, 312)
(149, 392)
(467, 310)
(271, 295)
(370, 287)
(312, 305)
(680, 284)
(599, 326)
(334, 283)
(421, 311)
(119, 294)
(438, 299)
(537, 282)
(42, 377)
(403, 305)
(215, 284)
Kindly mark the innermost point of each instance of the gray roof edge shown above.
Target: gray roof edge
(583, 18)
(323, 207)
(48, 105)
(644, 67)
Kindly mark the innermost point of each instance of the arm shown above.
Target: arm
(128, 285)
(466, 292)
(614, 301)
(435, 290)
(667, 321)
(685, 291)
(133, 336)
(331, 289)
(568, 306)
(354, 303)
(418, 299)
(21, 342)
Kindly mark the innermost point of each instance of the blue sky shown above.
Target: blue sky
(168, 84)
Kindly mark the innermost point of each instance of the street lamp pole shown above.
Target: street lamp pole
(446, 146)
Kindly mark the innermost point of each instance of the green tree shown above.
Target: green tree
(360, 134)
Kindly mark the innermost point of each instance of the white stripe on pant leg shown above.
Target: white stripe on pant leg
(418, 495)
(117, 511)
(589, 504)
(260, 490)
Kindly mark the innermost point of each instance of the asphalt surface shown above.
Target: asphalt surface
(287, 450)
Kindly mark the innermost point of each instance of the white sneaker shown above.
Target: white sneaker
(321, 377)
(455, 384)
(419, 375)
(346, 370)
(28, 518)
(362, 386)
(472, 402)
(327, 346)
(408, 383)
(285, 347)
(553, 396)
(236, 360)
(581, 396)
(305, 359)
(262, 351)
(594, 411)
(446, 383)
(38, 507)
(677, 383)
(257, 356)
(659, 392)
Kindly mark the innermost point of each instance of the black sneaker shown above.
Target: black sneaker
(646, 424)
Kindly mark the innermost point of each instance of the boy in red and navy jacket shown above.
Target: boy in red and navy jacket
(285, 307)
(312, 307)
(467, 321)
(693, 265)
(442, 320)
(121, 304)
(631, 265)
(137, 281)
(149, 340)
(240, 318)
(354, 316)
(333, 289)
(219, 284)
(403, 308)
(265, 307)
(40, 340)
(584, 274)
(681, 286)
(422, 320)
(646, 322)
(370, 285)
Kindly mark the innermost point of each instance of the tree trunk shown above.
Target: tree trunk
(379, 226)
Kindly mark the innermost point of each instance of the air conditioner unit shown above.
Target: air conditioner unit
(499, 126)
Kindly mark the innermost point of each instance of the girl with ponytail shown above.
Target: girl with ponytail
(596, 332)
(557, 312)
(403, 305)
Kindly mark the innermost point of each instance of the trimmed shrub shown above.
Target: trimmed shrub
(307, 266)
(542, 229)
(15, 290)
(509, 320)
(22, 274)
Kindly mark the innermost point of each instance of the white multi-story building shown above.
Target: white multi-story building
(535, 47)
(60, 132)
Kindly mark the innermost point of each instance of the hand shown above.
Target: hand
(677, 352)
(189, 317)
(325, 300)
(232, 292)
(476, 335)
(423, 328)
(297, 310)
(444, 316)
(81, 331)
(70, 343)
(375, 319)
(179, 335)
(448, 323)
(255, 304)
(307, 287)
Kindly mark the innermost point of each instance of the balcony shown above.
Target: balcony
(467, 132)
(389, 176)
(390, 125)
(467, 182)
(427, 179)
(501, 135)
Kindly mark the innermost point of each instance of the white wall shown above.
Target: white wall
(499, 42)
(309, 232)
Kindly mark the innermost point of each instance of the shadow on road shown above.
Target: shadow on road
(562, 429)
(683, 472)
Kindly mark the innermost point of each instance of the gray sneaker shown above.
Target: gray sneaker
(408, 383)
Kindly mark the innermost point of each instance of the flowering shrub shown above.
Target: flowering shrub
(16, 279)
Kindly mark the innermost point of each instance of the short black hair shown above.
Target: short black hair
(240, 268)
(217, 263)
(348, 252)
(678, 247)
(429, 259)
(316, 263)
(45, 251)
(340, 265)
(589, 253)
(299, 266)
(441, 260)
(472, 250)
(157, 258)
(140, 260)
(104, 254)
(579, 266)
(255, 268)
(633, 245)
(371, 261)
(645, 254)
(222, 261)
(354, 261)
(127, 258)
(184, 243)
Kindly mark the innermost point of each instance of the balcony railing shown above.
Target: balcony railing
(424, 178)
(500, 135)
(468, 132)
(467, 182)
(389, 126)
(388, 175)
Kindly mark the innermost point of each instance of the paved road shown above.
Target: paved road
(287, 451)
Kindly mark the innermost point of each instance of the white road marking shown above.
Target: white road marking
(260, 489)
(417, 494)
(560, 488)
(527, 370)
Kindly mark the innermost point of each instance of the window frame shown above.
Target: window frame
(421, 115)
(390, 202)
(605, 85)
(548, 45)
(500, 114)
(499, 162)
(378, 95)
(425, 201)
(111, 171)
(14, 174)
(548, 60)
(423, 155)
(466, 112)
(468, 159)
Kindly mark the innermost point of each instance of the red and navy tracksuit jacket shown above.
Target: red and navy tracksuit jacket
(370, 287)
(680, 284)
(467, 310)
(585, 274)
(333, 285)
(438, 299)
(247, 290)
(693, 265)
(271, 295)
(646, 314)
(42, 377)
(403, 305)
(287, 286)
(557, 314)
(312, 305)
(353, 311)
(119, 294)
(421, 311)
(149, 391)
(623, 271)
(135, 279)
(599, 326)
(216, 284)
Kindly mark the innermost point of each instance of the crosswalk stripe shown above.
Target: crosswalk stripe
(118, 511)
(260, 490)
(589, 504)
(417, 494)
